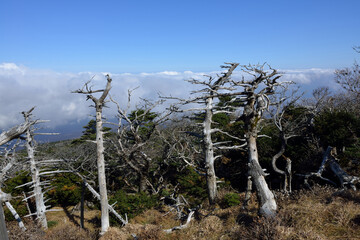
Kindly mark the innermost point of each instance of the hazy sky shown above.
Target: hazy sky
(48, 48)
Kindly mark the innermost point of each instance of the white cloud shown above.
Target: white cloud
(170, 73)
(308, 76)
(22, 88)
(9, 66)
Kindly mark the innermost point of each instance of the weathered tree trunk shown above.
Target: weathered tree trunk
(99, 103)
(255, 102)
(214, 89)
(267, 201)
(142, 183)
(248, 191)
(343, 177)
(209, 153)
(35, 175)
(16, 215)
(14, 132)
(82, 204)
(3, 230)
(287, 172)
(97, 196)
(105, 223)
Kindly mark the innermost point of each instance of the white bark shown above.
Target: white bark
(97, 196)
(287, 173)
(14, 132)
(214, 88)
(99, 103)
(183, 225)
(3, 230)
(267, 201)
(255, 102)
(105, 223)
(35, 175)
(248, 191)
(209, 153)
(16, 215)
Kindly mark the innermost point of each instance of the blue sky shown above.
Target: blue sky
(50, 48)
(151, 36)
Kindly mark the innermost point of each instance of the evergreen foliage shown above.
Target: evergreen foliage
(90, 132)
(230, 200)
(66, 190)
(133, 204)
(337, 128)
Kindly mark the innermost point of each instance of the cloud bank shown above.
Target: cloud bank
(22, 88)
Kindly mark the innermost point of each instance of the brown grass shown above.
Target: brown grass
(323, 213)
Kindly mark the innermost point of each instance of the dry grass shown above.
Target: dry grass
(322, 213)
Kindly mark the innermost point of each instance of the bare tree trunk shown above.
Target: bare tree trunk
(214, 88)
(3, 230)
(97, 196)
(288, 172)
(82, 204)
(267, 201)
(35, 175)
(99, 103)
(248, 191)
(16, 215)
(26, 200)
(276, 157)
(105, 223)
(343, 177)
(14, 132)
(209, 153)
(142, 183)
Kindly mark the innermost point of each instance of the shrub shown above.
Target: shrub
(230, 199)
(20, 178)
(193, 186)
(67, 191)
(133, 204)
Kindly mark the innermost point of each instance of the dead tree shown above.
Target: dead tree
(349, 78)
(183, 144)
(255, 100)
(93, 191)
(39, 168)
(35, 174)
(15, 132)
(329, 159)
(9, 164)
(289, 125)
(135, 130)
(213, 88)
(6, 137)
(99, 104)
(3, 231)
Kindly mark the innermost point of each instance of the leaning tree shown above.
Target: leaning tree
(257, 86)
(15, 132)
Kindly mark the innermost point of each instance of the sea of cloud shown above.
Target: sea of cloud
(51, 92)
